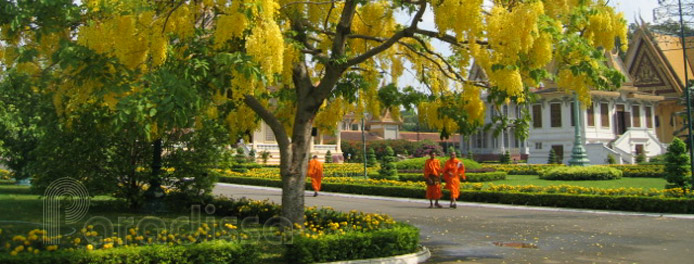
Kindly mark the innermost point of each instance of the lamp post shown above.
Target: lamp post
(578, 153)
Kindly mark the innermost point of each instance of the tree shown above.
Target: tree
(552, 157)
(677, 171)
(506, 158)
(302, 64)
(328, 157)
(388, 169)
(264, 156)
(371, 158)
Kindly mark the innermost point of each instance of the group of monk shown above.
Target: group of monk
(453, 172)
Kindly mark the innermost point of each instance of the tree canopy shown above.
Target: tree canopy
(298, 64)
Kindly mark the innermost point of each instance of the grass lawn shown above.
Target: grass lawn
(646, 183)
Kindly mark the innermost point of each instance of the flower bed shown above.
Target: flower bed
(471, 177)
(513, 169)
(418, 164)
(221, 242)
(5, 175)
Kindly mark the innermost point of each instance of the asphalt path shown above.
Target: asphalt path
(490, 233)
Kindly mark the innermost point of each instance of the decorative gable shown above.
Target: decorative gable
(648, 73)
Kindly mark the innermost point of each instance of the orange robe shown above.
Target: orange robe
(452, 172)
(315, 171)
(433, 166)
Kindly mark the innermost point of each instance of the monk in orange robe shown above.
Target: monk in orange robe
(315, 171)
(453, 171)
(432, 171)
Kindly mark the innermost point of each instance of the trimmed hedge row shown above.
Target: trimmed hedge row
(206, 252)
(645, 171)
(641, 171)
(577, 173)
(604, 202)
(534, 169)
(418, 164)
(403, 239)
(471, 177)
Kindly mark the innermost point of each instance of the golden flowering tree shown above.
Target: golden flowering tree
(300, 64)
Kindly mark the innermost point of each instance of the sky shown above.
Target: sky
(633, 8)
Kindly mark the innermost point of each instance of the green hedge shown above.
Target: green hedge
(471, 177)
(623, 203)
(577, 173)
(514, 169)
(206, 252)
(641, 171)
(418, 163)
(403, 239)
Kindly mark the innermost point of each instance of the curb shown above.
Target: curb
(414, 258)
(478, 205)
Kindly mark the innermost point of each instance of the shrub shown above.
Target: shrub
(576, 173)
(205, 252)
(388, 169)
(553, 157)
(471, 177)
(264, 156)
(426, 147)
(371, 158)
(418, 164)
(251, 155)
(402, 239)
(328, 157)
(641, 158)
(677, 166)
(5, 175)
(610, 159)
(529, 169)
(661, 201)
(354, 149)
(641, 171)
(505, 158)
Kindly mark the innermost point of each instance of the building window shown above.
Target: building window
(649, 117)
(537, 116)
(355, 127)
(538, 145)
(604, 115)
(506, 110)
(636, 115)
(591, 115)
(555, 115)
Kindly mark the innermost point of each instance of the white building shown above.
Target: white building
(264, 140)
(620, 123)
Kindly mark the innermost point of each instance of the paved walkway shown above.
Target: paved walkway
(488, 233)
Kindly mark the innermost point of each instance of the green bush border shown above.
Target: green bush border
(403, 239)
(206, 252)
(585, 201)
(471, 177)
(578, 173)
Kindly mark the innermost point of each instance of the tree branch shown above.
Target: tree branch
(446, 38)
(270, 119)
(409, 31)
